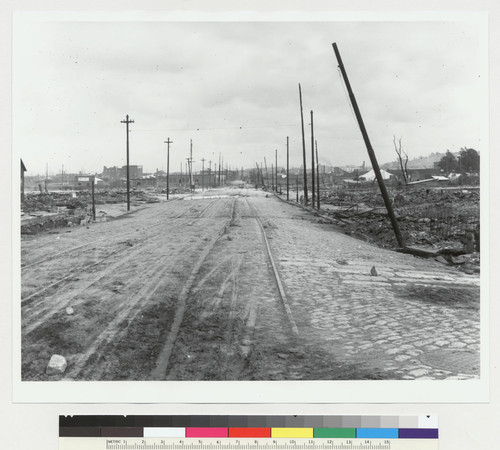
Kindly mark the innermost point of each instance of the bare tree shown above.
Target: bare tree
(401, 153)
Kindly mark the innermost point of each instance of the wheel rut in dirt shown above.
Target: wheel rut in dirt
(107, 303)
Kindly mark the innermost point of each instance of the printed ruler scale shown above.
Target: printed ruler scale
(248, 433)
(246, 444)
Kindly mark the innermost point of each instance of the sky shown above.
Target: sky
(232, 88)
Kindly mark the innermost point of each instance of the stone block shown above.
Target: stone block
(57, 365)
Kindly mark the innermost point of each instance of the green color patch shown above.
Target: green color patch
(335, 432)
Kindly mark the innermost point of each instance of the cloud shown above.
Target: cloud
(237, 83)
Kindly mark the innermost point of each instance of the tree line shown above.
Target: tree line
(466, 162)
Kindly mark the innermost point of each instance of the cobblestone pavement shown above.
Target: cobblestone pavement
(414, 318)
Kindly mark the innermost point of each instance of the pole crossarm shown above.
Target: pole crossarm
(127, 121)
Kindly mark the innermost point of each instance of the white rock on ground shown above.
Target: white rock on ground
(57, 365)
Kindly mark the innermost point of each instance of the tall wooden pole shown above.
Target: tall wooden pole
(371, 153)
(168, 142)
(287, 170)
(267, 173)
(190, 162)
(317, 174)
(202, 174)
(276, 168)
(127, 121)
(219, 169)
(93, 197)
(313, 167)
(306, 201)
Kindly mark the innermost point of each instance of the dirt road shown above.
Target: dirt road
(212, 288)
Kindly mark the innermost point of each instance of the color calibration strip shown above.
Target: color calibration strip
(313, 427)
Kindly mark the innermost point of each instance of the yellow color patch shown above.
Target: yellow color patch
(292, 432)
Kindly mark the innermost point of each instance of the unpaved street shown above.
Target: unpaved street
(235, 285)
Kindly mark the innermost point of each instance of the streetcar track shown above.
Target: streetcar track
(232, 307)
(275, 271)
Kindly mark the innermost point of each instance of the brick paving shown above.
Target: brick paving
(416, 319)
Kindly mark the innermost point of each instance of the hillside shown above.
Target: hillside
(422, 162)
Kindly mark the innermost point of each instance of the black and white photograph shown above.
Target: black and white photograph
(250, 200)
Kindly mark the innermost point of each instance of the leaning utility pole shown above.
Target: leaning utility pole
(303, 147)
(312, 160)
(317, 173)
(127, 121)
(371, 153)
(168, 142)
(287, 171)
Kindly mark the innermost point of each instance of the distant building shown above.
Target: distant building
(111, 174)
(134, 172)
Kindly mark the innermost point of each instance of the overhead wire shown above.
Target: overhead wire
(217, 128)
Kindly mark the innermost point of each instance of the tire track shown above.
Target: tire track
(160, 371)
(37, 312)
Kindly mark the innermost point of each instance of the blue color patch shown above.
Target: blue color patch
(377, 433)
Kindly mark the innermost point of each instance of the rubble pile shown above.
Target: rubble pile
(446, 221)
(83, 199)
(45, 211)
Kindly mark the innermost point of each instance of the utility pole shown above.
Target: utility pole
(276, 161)
(180, 179)
(219, 171)
(202, 174)
(317, 173)
(127, 121)
(93, 196)
(297, 184)
(287, 171)
(371, 153)
(168, 142)
(312, 160)
(190, 165)
(267, 174)
(272, 178)
(303, 147)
